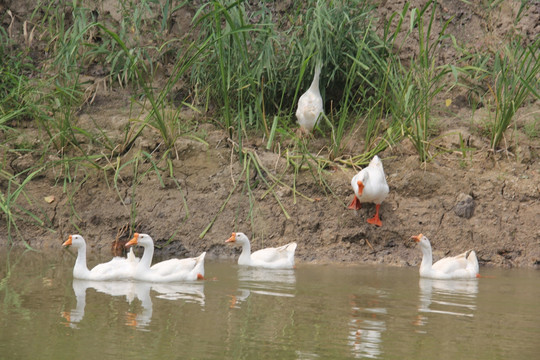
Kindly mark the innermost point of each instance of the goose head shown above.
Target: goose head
(140, 239)
(239, 238)
(77, 241)
(422, 240)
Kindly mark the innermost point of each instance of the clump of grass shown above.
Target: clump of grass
(413, 88)
(514, 79)
(160, 117)
(15, 86)
(532, 128)
(14, 203)
(258, 70)
(76, 43)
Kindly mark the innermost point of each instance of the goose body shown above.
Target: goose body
(118, 268)
(166, 271)
(271, 258)
(462, 266)
(370, 185)
(310, 105)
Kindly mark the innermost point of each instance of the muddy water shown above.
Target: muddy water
(315, 311)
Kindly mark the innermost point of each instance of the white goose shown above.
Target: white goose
(370, 185)
(272, 258)
(463, 266)
(168, 270)
(310, 105)
(118, 268)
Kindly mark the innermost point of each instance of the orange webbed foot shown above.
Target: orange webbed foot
(355, 204)
(375, 221)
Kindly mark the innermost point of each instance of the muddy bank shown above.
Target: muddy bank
(462, 199)
(501, 196)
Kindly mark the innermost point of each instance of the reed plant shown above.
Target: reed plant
(515, 77)
(136, 26)
(413, 87)
(15, 203)
(473, 73)
(341, 35)
(15, 86)
(355, 89)
(160, 117)
(128, 60)
(76, 42)
(260, 70)
(229, 74)
(58, 97)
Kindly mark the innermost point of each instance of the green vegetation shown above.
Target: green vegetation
(245, 67)
(514, 77)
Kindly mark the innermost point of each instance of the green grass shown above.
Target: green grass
(14, 204)
(412, 88)
(515, 77)
(15, 86)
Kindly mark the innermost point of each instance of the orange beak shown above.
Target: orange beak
(67, 242)
(417, 237)
(132, 241)
(360, 187)
(232, 238)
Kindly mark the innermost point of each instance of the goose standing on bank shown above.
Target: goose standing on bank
(166, 271)
(462, 266)
(370, 185)
(310, 105)
(119, 268)
(271, 258)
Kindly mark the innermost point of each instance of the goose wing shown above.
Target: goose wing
(274, 254)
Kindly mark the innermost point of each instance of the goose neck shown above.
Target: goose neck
(80, 263)
(427, 259)
(245, 256)
(315, 82)
(146, 259)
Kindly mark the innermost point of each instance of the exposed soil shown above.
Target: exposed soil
(500, 191)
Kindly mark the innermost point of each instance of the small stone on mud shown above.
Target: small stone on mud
(465, 206)
(284, 192)
(169, 183)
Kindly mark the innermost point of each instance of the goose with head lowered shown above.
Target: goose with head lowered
(119, 268)
(271, 258)
(462, 266)
(369, 185)
(310, 105)
(188, 269)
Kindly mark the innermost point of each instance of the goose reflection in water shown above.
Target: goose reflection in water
(366, 327)
(188, 292)
(261, 281)
(113, 288)
(450, 297)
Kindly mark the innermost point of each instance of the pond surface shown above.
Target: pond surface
(313, 312)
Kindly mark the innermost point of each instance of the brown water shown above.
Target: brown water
(313, 312)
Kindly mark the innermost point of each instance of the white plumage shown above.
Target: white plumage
(310, 104)
(118, 268)
(370, 185)
(462, 266)
(168, 270)
(273, 258)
